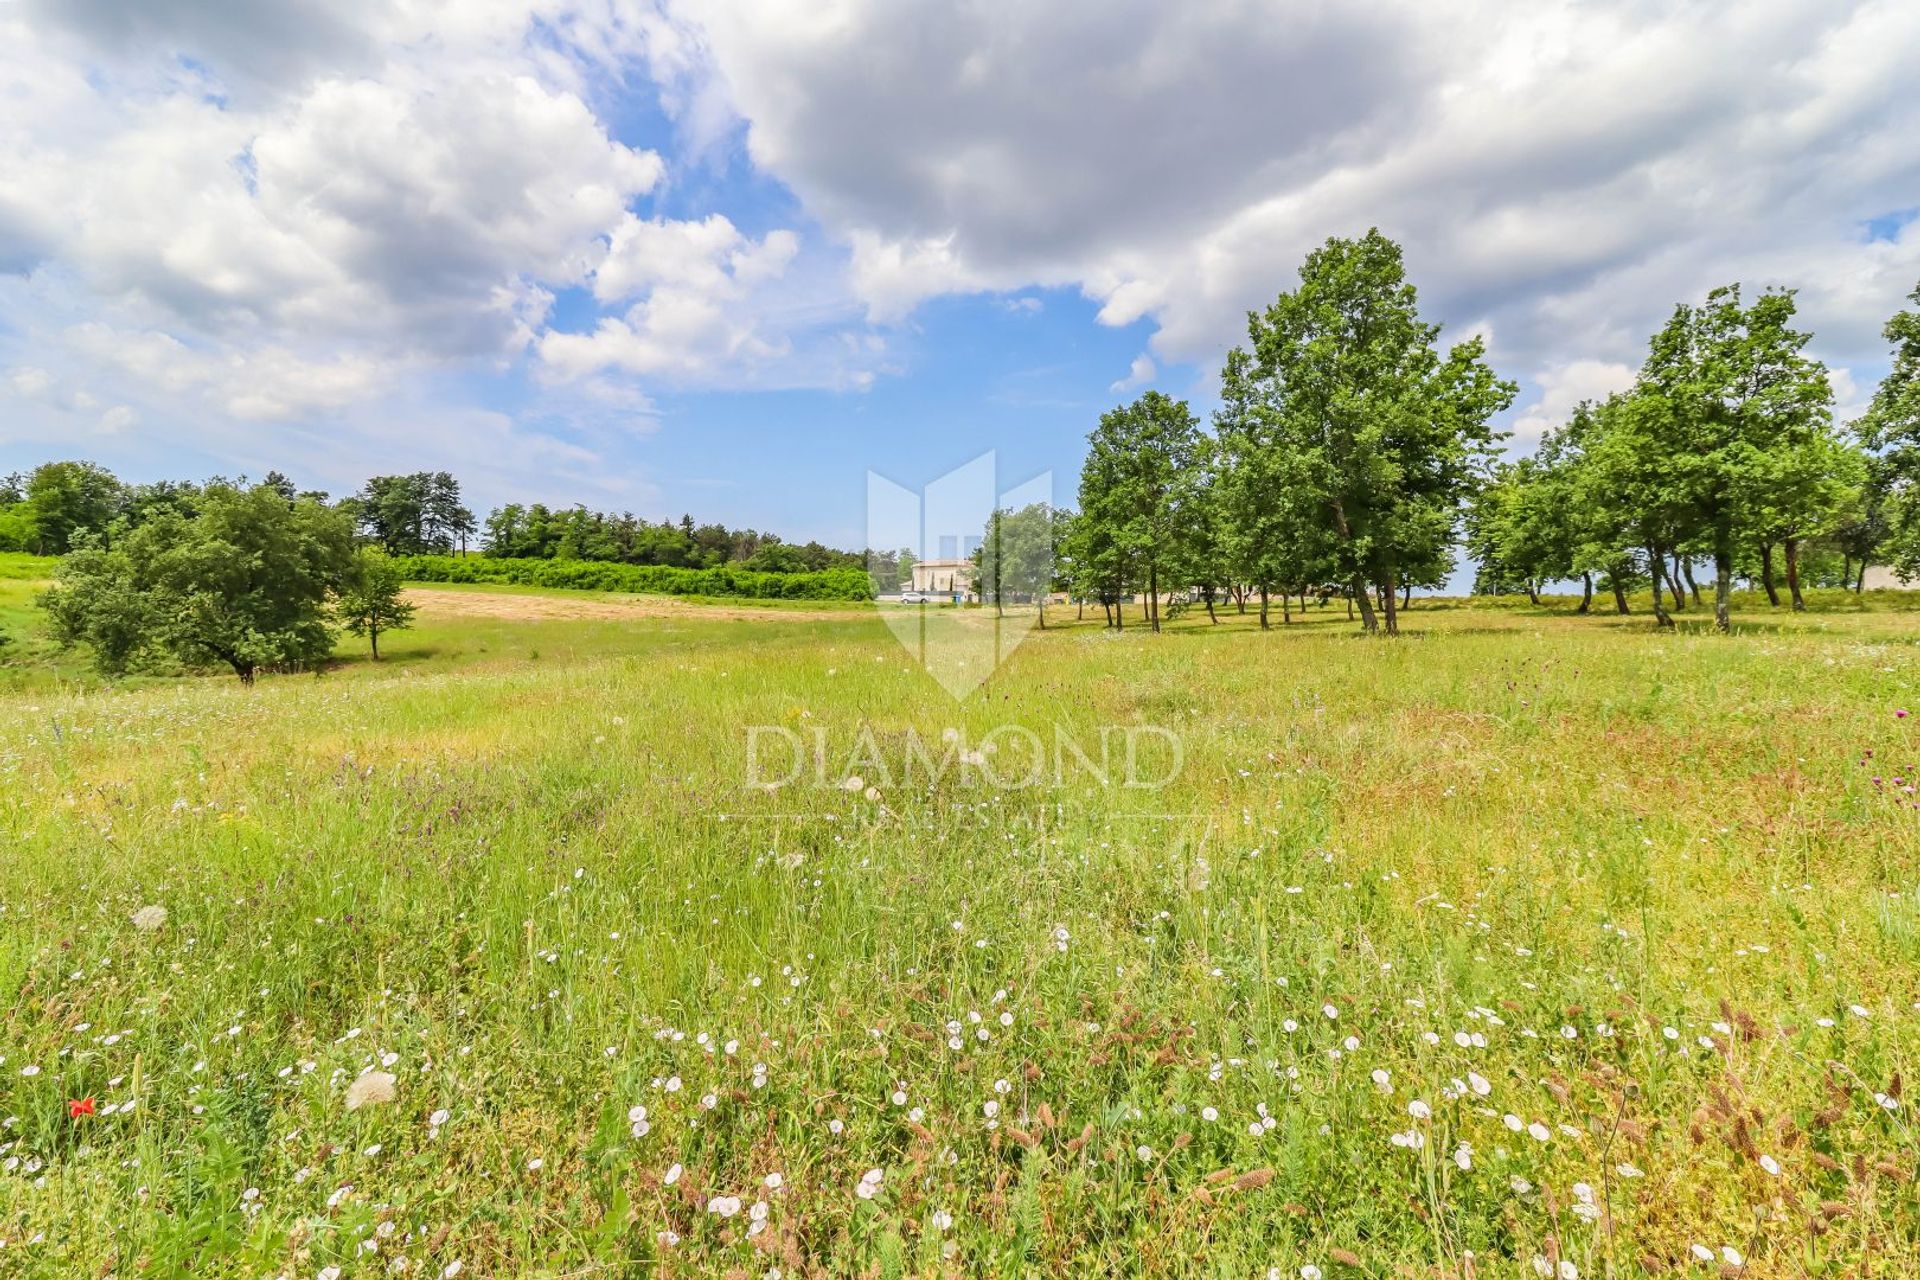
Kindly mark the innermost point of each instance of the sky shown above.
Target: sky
(725, 258)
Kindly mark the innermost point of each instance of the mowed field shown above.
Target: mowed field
(1527, 944)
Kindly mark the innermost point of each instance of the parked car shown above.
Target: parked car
(913, 597)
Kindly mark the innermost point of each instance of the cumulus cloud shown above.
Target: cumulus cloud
(1561, 173)
(273, 214)
(1139, 374)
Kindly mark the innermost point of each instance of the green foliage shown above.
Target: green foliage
(370, 601)
(66, 501)
(1372, 438)
(1016, 558)
(415, 514)
(592, 575)
(1891, 429)
(245, 582)
(1137, 487)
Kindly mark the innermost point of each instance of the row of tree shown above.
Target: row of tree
(1351, 452)
(536, 532)
(55, 507)
(1725, 450)
(249, 576)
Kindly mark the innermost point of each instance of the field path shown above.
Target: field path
(511, 605)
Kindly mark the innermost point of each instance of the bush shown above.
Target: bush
(606, 575)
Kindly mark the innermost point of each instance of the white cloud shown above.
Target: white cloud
(1560, 390)
(277, 213)
(1139, 374)
(1561, 172)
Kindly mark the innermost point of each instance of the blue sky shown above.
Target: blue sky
(724, 258)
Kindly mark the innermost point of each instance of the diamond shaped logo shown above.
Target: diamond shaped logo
(955, 624)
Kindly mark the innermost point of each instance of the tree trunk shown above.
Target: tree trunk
(1673, 581)
(1766, 573)
(1846, 567)
(1533, 593)
(1119, 613)
(1660, 613)
(1860, 583)
(1210, 614)
(1686, 568)
(1792, 546)
(1586, 598)
(1619, 592)
(1390, 593)
(1264, 624)
(1040, 602)
(1363, 595)
(1153, 594)
(1723, 586)
(1349, 605)
(373, 641)
(1286, 608)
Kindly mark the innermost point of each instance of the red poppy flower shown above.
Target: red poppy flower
(77, 1107)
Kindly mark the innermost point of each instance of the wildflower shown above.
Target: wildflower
(451, 1270)
(942, 1220)
(1539, 1131)
(1771, 1165)
(1309, 1272)
(149, 919)
(77, 1107)
(373, 1088)
(534, 1165)
(438, 1118)
(1463, 1156)
(1209, 1114)
(1419, 1110)
(724, 1206)
(673, 1174)
(869, 1184)
(1383, 1080)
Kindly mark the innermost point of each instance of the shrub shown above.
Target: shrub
(606, 575)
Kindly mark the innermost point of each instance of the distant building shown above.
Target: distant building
(1880, 578)
(944, 577)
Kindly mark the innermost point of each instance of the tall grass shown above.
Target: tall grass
(1524, 942)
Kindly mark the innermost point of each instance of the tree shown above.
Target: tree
(67, 500)
(245, 582)
(1385, 438)
(1271, 536)
(392, 512)
(1731, 393)
(1141, 460)
(370, 602)
(1891, 429)
(1015, 560)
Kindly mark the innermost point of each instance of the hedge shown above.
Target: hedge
(654, 579)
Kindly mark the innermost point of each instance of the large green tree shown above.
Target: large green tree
(1891, 429)
(1731, 394)
(245, 582)
(66, 501)
(1137, 485)
(1385, 437)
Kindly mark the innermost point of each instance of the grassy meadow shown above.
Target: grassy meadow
(1526, 944)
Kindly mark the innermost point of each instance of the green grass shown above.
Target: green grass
(1626, 886)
